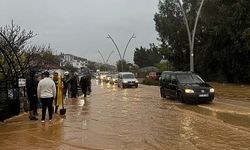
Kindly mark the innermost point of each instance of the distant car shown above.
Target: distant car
(103, 77)
(108, 78)
(153, 76)
(114, 79)
(127, 79)
(188, 87)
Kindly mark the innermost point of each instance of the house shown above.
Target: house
(75, 61)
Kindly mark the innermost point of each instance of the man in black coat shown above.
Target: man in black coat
(31, 87)
(73, 85)
(84, 84)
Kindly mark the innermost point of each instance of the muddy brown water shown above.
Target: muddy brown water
(137, 118)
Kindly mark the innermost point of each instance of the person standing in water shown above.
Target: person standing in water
(31, 86)
(59, 91)
(46, 92)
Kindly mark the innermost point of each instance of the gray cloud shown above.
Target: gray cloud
(79, 27)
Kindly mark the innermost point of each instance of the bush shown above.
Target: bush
(150, 82)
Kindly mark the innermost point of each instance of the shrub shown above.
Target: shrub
(150, 82)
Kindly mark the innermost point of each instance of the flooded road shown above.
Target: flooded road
(137, 118)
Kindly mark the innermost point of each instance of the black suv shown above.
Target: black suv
(187, 87)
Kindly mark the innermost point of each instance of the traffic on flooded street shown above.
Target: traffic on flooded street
(137, 118)
(125, 75)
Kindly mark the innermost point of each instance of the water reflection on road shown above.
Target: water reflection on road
(143, 120)
(233, 118)
(136, 118)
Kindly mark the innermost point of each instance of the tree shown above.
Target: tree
(42, 57)
(147, 57)
(172, 33)
(119, 66)
(222, 51)
(92, 65)
(14, 41)
(165, 66)
(18, 38)
(225, 41)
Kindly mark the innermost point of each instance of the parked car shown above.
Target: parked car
(153, 75)
(187, 87)
(127, 79)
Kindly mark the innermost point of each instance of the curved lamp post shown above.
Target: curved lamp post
(105, 62)
(191, 36)
(124, 52)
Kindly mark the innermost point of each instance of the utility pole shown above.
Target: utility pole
(124, 52)
(191, 37)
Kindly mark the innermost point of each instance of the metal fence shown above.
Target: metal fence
(9, 99)
(10, 72)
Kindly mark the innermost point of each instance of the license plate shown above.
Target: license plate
(203, 95)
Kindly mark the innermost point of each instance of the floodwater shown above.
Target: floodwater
(137, 118)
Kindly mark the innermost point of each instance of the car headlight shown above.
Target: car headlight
(136, 81)
(189, 91)
(212, 90)
(124, 81)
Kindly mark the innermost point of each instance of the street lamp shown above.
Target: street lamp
(191, 36)
(124, 52)
(105, 62)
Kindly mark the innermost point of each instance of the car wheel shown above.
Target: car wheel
(162, 93)
(136, 86)
(180, 97)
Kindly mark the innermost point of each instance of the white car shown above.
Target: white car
(114, 79)
(127, 79)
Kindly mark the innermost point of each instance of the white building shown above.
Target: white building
(76, 62)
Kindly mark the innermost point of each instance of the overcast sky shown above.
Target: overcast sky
(80, 27)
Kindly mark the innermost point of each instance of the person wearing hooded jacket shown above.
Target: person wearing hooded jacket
(74, 85)
(84, 84)
(31, 87)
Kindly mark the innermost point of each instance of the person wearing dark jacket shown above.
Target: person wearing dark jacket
(31, 86)
(73, 85)
(84, 84)
(89, 84)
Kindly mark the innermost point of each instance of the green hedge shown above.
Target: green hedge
(150, 82)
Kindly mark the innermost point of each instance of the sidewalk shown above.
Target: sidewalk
(21, 133)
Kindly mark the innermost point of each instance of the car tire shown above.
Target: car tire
(163, 95)
(136, 86)
(180, 97)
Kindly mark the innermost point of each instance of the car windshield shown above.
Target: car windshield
(128, 76)
(189, 78)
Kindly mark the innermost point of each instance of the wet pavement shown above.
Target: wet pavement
(137, 118)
